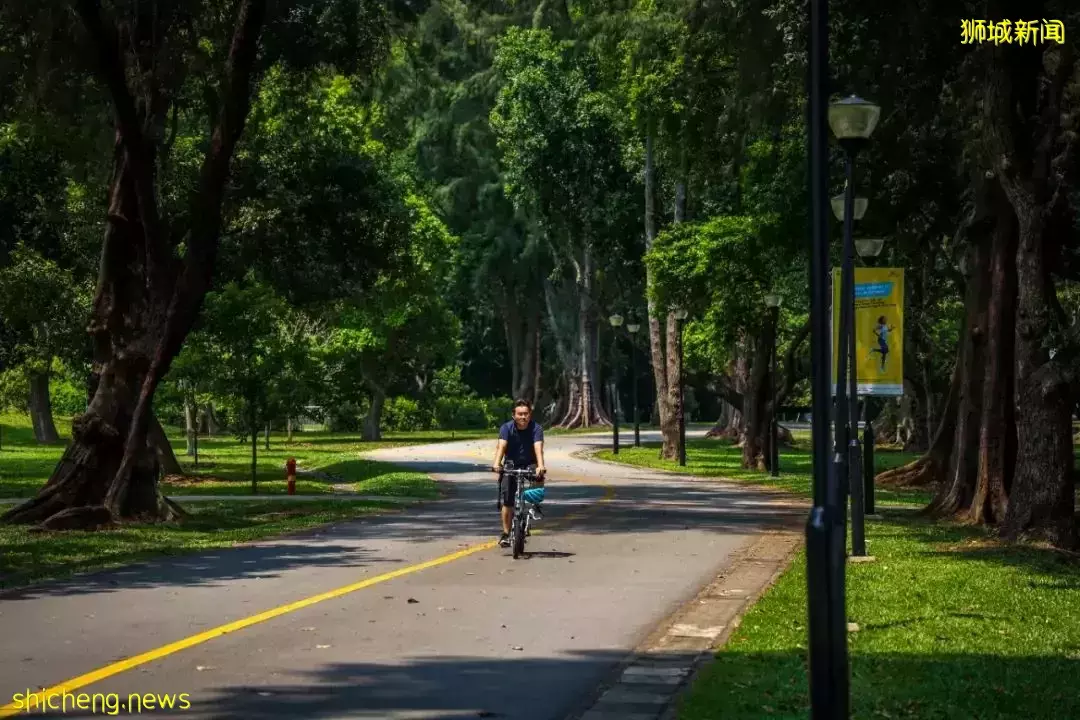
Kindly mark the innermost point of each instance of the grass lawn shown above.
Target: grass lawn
(26, 557)
(719, 458)
(951, 623)
(225, 462)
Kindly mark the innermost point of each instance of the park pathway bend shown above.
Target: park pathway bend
(476, 634)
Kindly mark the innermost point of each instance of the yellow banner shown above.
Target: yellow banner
(879, 330)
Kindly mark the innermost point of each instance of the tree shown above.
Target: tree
(157, 267)
(45, 308)
(563, 166)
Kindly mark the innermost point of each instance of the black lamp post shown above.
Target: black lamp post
(680, 316)
(853, 121)
(616, 322)
(827, 660)
(632, 328)
(772, 301)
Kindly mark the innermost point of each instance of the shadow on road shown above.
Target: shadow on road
(470, 517)
(433, 688)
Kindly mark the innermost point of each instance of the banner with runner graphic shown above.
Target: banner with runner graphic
(879, 330)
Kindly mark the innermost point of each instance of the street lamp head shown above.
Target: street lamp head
(615, 320)
(837, 203)
(680, 314)
(869, 247)
(853, 118)
(773, 300)
(632, 327)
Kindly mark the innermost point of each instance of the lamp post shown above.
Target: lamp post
(632, 328)
(680, 316)
(827, 656)
(772, 301)
(616, 321)
(868, 249)
(852, 121)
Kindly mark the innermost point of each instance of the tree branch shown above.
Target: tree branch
(113, 73)
(727, 391)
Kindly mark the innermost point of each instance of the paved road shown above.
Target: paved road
(474, 635)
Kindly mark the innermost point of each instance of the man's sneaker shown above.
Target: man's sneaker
(504, 540)
(536, 512)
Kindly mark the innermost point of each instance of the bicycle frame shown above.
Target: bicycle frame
(519, 527)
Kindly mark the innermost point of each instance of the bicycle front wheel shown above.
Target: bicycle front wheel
(519, 536)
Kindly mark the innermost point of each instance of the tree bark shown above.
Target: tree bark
(147, 298)
(756, 402)
(191, 423)
(289, 424)
(159, 441)
(41, 414)
(997, 428)
(371, 430)
(664, 409)
(1033, 152)
(585, 408)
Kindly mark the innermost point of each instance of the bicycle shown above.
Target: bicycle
(519, 526)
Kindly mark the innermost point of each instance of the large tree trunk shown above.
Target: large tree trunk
(191, 423)
(147, 299)
(371, 430)
(756, 404)
(208, 423)
(41, 415)
(584, 408)
(159, 441)
(997, 429)
(664, 409)
(1033, 151)
(528, 363)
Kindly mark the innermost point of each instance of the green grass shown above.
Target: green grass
(225, 462)
(952, 624)
(26, 557)
(720, 458)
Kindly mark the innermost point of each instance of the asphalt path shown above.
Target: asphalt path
(424, 617)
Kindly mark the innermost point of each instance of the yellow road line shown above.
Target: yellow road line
(12, 709)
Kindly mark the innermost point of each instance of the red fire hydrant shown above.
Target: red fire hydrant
(290, 475)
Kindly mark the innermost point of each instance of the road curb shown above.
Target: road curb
(648, 683)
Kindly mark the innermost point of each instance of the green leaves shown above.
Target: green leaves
(44, 309)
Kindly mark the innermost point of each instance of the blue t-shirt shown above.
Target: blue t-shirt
(519, 443)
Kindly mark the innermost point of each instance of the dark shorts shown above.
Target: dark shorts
(508, 489)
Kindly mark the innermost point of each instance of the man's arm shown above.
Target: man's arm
(540, 469)
(500, 451)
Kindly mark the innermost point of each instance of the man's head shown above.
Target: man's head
(522, 413)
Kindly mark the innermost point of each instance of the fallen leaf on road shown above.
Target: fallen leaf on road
(322, 647)
(413, 601)
(200, 668)
(387, 597)
(517, 647)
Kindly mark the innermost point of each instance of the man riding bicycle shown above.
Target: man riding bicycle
(521, 441)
